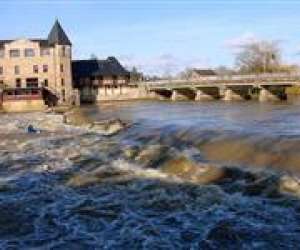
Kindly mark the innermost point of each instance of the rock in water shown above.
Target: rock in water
(101, 174)
(190, 171)
(154, 155)
(77, 118)
(109, 127)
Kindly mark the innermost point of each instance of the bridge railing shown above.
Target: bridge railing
(268, 77)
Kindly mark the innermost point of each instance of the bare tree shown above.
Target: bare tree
(224, 71)
(186, 74)
(135, 75)
(259, 57)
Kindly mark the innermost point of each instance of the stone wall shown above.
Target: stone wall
(122, 93)
(23, 105)
(117, 93)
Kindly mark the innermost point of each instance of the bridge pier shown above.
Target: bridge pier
(206, 94)
(272, 94)
(236, 94)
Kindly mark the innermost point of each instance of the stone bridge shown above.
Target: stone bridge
(265, 87)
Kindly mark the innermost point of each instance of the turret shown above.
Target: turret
(63, 56)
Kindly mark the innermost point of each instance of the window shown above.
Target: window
(35, 69)
(32, 82)
(1, 83)
(18, 83)
(2, 53)
(63, 93)
(61, 68)
(63, 51)
(62, 82)
(1, 70)
(45, 68)
(14, 53)
(45, 52)
(29, 53)
(17, 70)
(46, 82)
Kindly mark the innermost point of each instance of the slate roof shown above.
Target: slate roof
(2, 42)
(205, 72)
(94, 67)
(56, 36)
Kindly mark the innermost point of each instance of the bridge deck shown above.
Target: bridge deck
(221, 81)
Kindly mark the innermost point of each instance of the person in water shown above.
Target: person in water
(31, 130)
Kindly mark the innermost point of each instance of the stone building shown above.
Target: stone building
(42, 64)
(201, 74)
(39, 72)
(99, 80)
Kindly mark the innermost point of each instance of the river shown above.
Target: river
(87, 191)
(239, 133)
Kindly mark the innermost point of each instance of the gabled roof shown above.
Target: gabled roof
(205, 72)
(94, 67)
(57, 35)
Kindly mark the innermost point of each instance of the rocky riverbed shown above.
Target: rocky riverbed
(107, 185)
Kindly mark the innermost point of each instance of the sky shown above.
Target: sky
(159, 37)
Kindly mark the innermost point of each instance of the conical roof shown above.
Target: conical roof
(58, 36)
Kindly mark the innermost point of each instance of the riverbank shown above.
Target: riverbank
(147, 186)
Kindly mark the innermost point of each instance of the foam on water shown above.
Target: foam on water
(85, 191)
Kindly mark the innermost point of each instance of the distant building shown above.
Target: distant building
(201, 74)
(96, 79)
(37, 64)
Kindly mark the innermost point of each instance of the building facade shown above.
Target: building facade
(39, 72)
(38, 64)
(101, 80)
(201, 74)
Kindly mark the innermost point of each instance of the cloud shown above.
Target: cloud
(242, 40)
(249, 38)
(164, 64)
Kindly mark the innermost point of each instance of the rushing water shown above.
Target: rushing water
(94, 192)
(241, 133)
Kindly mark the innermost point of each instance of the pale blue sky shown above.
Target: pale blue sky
(159, 36)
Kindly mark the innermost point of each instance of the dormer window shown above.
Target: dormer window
(14, 53)
(29, 53)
